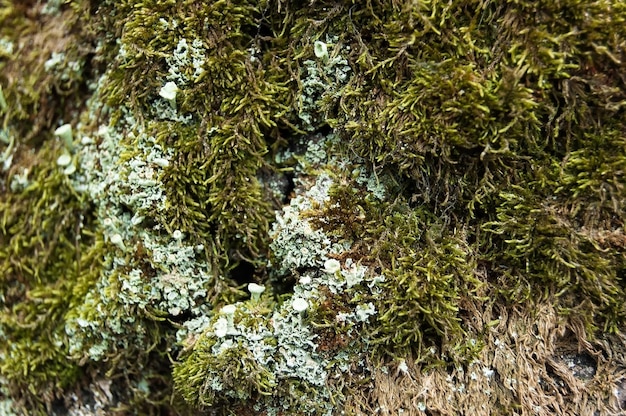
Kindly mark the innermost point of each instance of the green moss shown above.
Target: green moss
(427, 271)
(543, 251)
(593, 178)
(234, 374)
(477, 113)
(213, 194)
(234, 105)
(41, 238)
(45, 75)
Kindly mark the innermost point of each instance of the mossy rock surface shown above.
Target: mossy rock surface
(431, 194)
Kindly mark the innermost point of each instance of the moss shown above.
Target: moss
(41, 234)
(235, 373)
(332, 336)
(592, 177)
(45, 75)
(546, 253)
(235, 101)
(427, 272)
(476, 113)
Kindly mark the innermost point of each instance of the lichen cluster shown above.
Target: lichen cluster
(426, 191)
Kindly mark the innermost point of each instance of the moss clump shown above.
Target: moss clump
(234, 98)
(42, 236)
(542, 250)
(487, 118)
(44, 68)
(234, 373)
(428, 272)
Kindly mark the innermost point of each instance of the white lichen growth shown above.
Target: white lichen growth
(64, 160)
(299, 304)
(117, 240)
(320, 49)
(295, 243)
(184, 59)
(120, 169)
(65, 69)
(332, 266)
(64, 132)
(6, 46)
(19, 181)
(169, 91)
(7, 407)
(255, 291)
(228, 313)
(364, 311)
(321, 80)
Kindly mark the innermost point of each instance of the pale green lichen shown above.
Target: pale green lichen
(120, 172)
(283, 346)
(321, 83)
(6, 46)
(295, 244)
(184, 59)
(6, 408)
